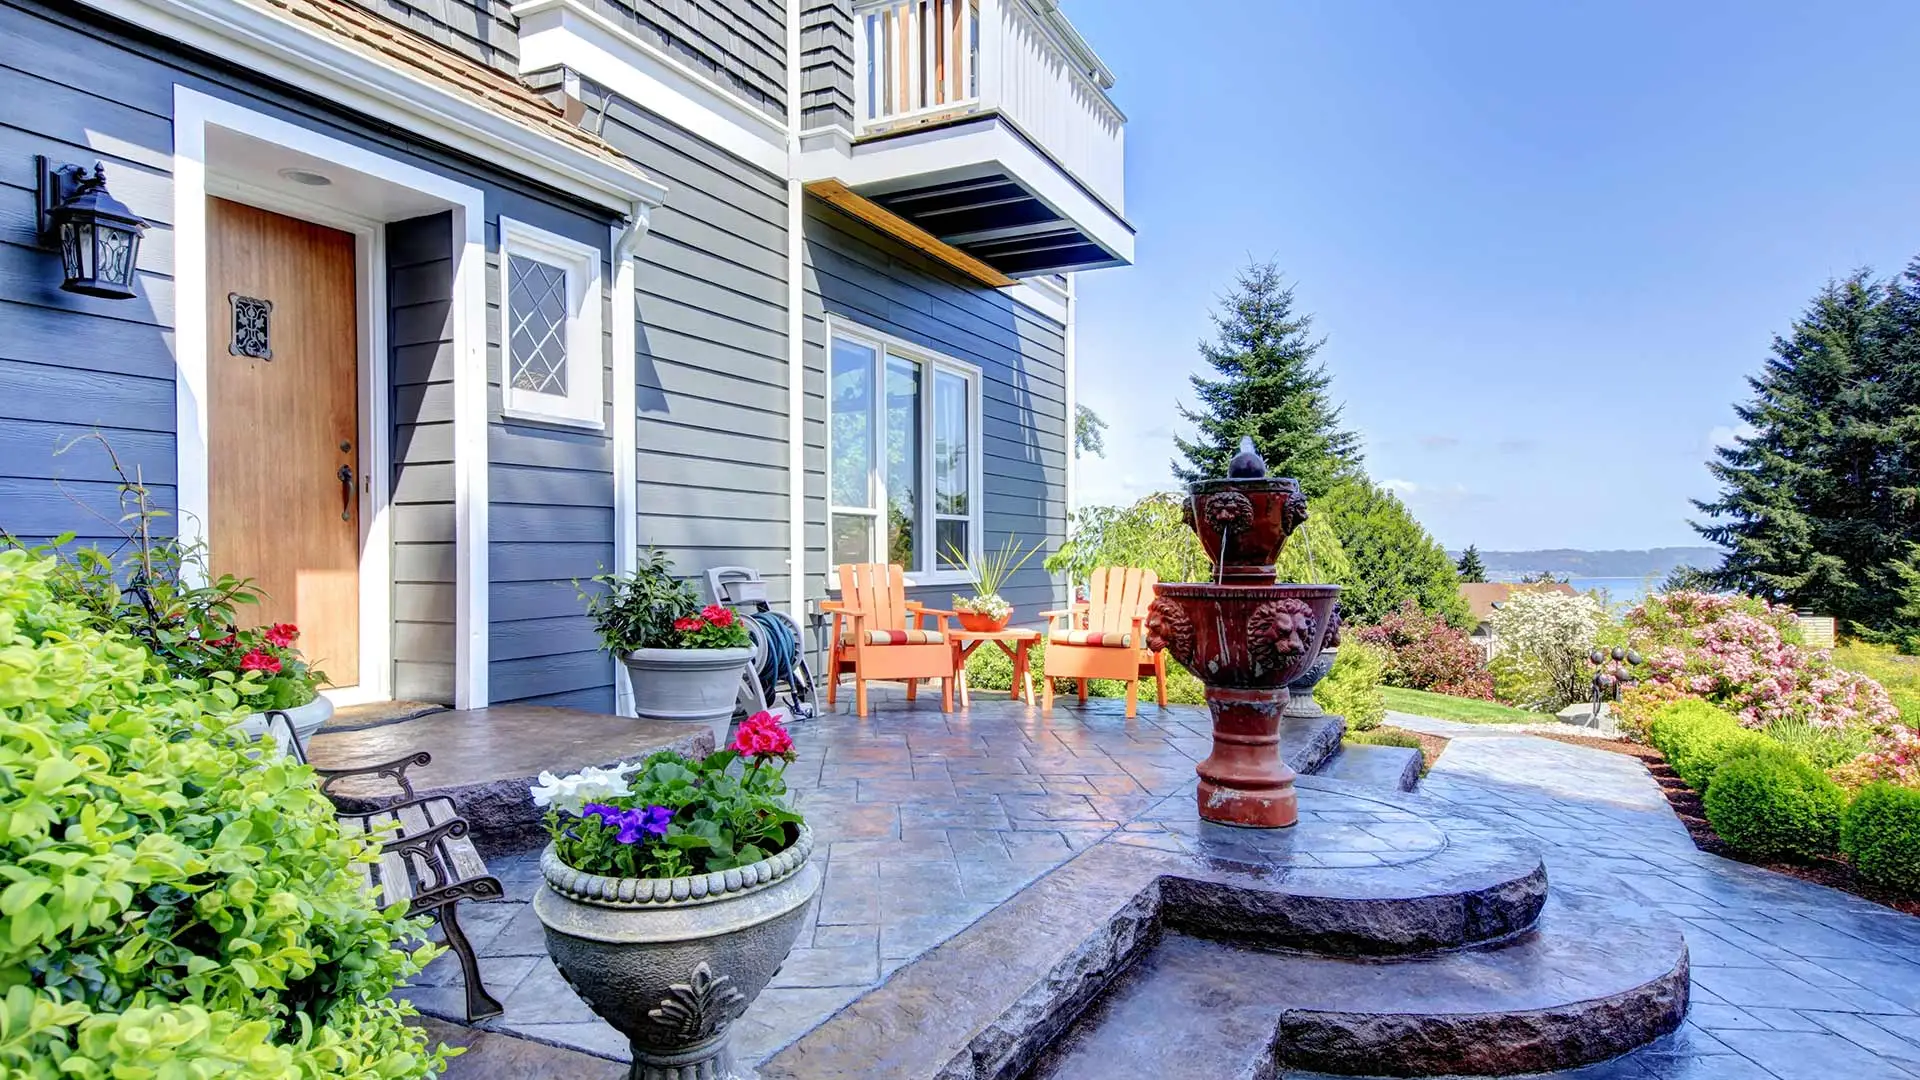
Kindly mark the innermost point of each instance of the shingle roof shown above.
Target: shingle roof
(402, 49)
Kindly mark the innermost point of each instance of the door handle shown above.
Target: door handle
(346, 492)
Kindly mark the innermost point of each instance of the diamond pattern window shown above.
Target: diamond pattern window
(552, 352)
(537, 321)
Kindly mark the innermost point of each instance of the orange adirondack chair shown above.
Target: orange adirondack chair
(875, 635)
(1106, 637)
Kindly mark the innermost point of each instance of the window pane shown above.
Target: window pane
(952, 537)
(903, 460)
(951, 474)
(852, 539)
(536, 326)
(850, 401)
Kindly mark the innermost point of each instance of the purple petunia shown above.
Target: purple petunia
(635, 824)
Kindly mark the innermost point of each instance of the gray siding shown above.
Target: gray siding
(711, 368)
(550, 506)
(420, 371)
(81, 90)
(739, 44)
(482, 30)
(857, 274)
(826, 64)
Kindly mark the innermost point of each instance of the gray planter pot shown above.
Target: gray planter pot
(690, 686)
(306, 720)
(672, 963)
(1300, 702)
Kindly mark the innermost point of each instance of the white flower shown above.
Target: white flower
(570, 794)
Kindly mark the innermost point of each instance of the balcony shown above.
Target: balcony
(986, 125)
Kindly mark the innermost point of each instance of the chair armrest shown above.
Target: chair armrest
(424, 845)
(921, 609)
(395, 770)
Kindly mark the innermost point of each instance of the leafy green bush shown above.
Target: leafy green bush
(1352, 688)
(1768, 804)
(177, 904)
(1881, 834)
(1697, 738)
(1385, 737)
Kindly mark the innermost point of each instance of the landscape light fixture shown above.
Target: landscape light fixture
(97, 236)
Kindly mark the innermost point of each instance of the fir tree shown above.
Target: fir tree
(1270, 388)
(1471, 570)
(1819, 506)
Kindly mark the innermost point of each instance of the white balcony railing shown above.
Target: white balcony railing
(927, 59)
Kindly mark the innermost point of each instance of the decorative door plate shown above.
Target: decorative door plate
(251, 318)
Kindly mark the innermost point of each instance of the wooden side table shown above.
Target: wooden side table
(1014, 641)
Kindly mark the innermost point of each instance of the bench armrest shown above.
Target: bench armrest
(396, 770)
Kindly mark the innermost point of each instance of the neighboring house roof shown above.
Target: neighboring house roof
(1481, 596)
(402, 49)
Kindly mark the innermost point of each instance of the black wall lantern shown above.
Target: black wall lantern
(97, 236)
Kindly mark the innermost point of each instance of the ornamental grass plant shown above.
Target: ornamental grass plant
(173, 901)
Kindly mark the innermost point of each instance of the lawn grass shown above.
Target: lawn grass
(1899, 674)
(1468, 710)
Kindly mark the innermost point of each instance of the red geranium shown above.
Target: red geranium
(221, 643)
(762, 735)
(282, 634)
(688, 623)
(717, 615)
(259, 661)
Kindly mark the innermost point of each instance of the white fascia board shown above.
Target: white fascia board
(280, 48)
(906, 161)
(564, 32)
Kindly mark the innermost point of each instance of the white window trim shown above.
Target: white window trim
(581, 406)
(884, 344)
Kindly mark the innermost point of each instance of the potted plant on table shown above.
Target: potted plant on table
(986, 611)
(686, 661)
(672, 892)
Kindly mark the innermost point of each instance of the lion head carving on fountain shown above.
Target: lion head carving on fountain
(1280, 630)
(1169, 628)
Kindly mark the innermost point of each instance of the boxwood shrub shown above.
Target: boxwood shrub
(173, 903)
(1881, 834)
(1766, 803)
(1696, 738)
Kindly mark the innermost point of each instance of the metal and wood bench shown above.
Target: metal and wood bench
(427, 860)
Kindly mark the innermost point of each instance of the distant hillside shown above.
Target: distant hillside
(1568, 562)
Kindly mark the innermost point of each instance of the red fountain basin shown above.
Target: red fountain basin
(1244, 524)
(1246, 643)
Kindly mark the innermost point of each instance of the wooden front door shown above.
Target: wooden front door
(283, 425)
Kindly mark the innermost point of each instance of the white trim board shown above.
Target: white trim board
(193, 113)
(274, 46)
(566, 32)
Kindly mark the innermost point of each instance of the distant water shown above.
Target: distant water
(1619, 590)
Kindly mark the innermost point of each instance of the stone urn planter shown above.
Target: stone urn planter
(1300, 702)
(306, 720)
(673, 962)
(689, 686)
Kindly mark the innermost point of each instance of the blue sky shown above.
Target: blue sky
(1546, 241)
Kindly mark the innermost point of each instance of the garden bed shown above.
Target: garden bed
(1686, 805)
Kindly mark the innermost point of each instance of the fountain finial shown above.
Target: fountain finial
(1247, 464)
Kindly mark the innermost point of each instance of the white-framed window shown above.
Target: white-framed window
(550, 326)
(903, 456)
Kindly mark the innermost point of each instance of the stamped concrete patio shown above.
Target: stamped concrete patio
(929, 821)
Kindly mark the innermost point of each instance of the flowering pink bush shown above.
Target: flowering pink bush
(1745, 655)
(1425, 653)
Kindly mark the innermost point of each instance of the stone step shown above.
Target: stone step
(1592, 980)
(1385, 768)
(1307, 743)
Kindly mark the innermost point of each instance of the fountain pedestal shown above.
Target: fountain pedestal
(1245, 638)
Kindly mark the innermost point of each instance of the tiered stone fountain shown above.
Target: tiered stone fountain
(1262, 923)
(1245, 638)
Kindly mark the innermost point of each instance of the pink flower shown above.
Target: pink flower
(281, 634)
(762, 735)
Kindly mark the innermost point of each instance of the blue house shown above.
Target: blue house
(444, 304)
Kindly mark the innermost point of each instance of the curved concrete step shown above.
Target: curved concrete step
(1591, 981)
(1384, 768)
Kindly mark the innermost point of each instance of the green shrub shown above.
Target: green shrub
(1385, 737)
(1881, 834)
(1696, 738)
(177, 904)
(1768, 804)
(1352, 688)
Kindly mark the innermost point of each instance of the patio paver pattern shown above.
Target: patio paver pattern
(928, 821)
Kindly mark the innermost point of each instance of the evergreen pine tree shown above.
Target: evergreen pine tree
(1394, 558)
(1270, 388)
(1469, 567)
(1819, 506)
